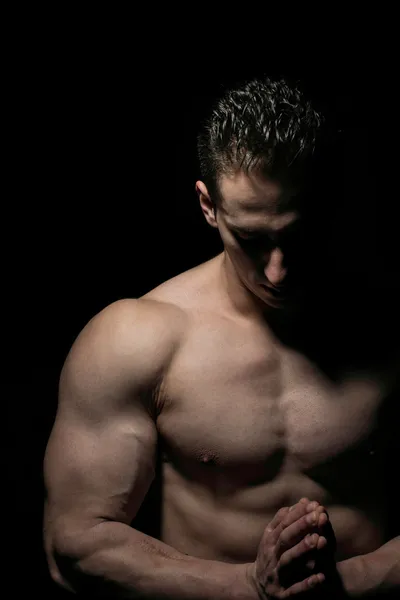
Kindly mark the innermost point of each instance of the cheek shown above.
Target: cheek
(237, 251)
(243, 262)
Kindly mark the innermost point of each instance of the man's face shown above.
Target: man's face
(262, 233)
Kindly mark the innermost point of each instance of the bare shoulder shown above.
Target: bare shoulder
(129, 340)
(133, 321)
(127, 348)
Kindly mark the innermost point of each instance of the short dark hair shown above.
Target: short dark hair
(265, 123)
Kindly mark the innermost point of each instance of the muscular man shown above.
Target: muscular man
(244, 386)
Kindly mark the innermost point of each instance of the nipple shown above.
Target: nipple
(208, 458)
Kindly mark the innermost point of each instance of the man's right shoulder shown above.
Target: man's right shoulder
(129, 314)
(133, 332)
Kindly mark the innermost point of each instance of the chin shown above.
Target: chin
(278, 306)
(268, 301)
(286, 303)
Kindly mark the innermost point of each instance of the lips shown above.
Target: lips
(274, 291)
(279, 296)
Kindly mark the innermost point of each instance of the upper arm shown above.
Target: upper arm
(100, 457)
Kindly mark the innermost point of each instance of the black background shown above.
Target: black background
(102, 166)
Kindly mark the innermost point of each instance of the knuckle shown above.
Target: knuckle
(312, 540)
(282, 511)
(289, 520)
(282, 543)
(268, 529)
(282, 562)
(305, 522)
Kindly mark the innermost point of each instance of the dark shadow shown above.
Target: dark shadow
(148, 518)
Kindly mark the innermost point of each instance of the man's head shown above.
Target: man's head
(255, 152)
(265, 125)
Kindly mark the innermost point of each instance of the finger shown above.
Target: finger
(323, 519)
(308, 544)
(327, 531)
(297, 511)
(282, 512)
(294, 533)
(292, 515)
(301, 501)
(325, 528)
(303, 586)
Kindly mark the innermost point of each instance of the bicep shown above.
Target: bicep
(101, 470)
(101, 454)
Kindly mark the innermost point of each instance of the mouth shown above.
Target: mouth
(277, 294)
(273, 290)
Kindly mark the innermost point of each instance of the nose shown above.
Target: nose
(274, 270)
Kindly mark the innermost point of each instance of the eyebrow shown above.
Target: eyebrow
(245, 229)
(265, 231)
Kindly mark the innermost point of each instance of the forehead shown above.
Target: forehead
(249, 199)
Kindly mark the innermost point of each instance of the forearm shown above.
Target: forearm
(373, 574)
(118, 561)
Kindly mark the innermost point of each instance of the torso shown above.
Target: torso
(248, 424)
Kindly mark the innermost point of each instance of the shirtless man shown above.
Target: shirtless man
(271, 446)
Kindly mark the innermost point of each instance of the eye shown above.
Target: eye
(249, 238)
(254, 242)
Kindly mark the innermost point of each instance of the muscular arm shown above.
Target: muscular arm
(100, 462)
(374, 573)
(377, 574)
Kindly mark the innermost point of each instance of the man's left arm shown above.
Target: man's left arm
(377, 573)
(374, 573)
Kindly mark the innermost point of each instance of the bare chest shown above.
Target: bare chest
(251, 410)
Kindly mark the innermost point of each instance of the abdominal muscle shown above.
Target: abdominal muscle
(230, 528)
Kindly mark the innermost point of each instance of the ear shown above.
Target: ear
(207, 205)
